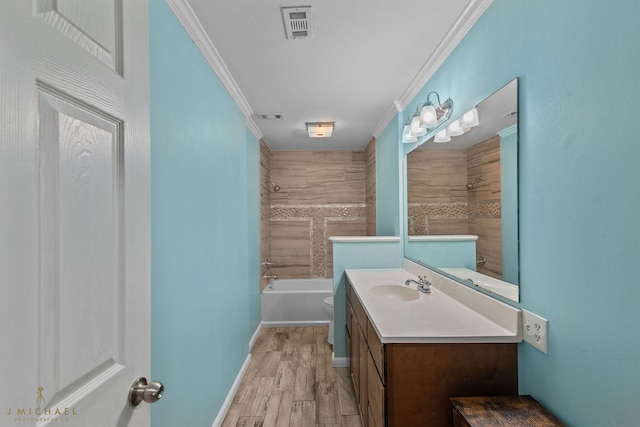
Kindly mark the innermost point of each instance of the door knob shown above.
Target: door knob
(141, 390)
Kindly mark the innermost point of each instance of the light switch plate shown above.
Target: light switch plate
(534, 330)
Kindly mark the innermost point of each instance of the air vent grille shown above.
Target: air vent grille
(269, 116)
(297, 21)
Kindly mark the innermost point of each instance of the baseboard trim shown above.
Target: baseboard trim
(294, 324)
(339, 362)
(232, 393)
(253, 339)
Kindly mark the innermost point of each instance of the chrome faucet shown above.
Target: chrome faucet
(423, 284)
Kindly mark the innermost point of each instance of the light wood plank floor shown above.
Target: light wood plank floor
(291, 382)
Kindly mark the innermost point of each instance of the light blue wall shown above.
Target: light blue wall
(252, 194)
(205, 230)
(579, 169)
(388, 181)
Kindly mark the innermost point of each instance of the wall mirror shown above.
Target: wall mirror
(468, 185)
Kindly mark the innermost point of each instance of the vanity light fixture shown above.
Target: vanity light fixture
(470, 119)
(319, 129)
(406, 135)
(442, 136)
(454, 129)
(461, 126)
(427, 117)
(416, 128)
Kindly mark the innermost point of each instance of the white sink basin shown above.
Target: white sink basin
(395, 292)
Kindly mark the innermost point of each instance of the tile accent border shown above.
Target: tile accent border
(419, 214)
(319, 218)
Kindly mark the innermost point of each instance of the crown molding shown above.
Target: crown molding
(183, 11)
(389, 114)
(458, 30)
(251, 124)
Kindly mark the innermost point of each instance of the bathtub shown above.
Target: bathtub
(295, 302)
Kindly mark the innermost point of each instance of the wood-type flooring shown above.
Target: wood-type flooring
(291, 382)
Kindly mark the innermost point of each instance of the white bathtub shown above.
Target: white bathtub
(295, 302)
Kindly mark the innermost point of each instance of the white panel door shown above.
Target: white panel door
(74, 211)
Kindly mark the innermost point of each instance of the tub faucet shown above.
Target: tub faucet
(270, 277)
(423, 284)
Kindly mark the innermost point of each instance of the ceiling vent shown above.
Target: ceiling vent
(269, 116)
(297, 21)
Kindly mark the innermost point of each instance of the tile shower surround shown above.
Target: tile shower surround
(316, 223)
(440, 203)
(323, 194)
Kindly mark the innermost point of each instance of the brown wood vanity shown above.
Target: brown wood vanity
(410, 384)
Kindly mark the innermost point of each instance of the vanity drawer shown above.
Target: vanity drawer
(377, 350)
(376, 396)
(361, 315)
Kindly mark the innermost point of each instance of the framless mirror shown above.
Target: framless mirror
(465, 183)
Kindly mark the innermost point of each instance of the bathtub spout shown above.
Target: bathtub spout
(270, 277)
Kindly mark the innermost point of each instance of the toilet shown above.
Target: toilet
(327, 304)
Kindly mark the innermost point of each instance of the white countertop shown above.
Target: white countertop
(451, 313)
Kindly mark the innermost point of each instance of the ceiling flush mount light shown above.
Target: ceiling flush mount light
(320, 129)
(427, 117)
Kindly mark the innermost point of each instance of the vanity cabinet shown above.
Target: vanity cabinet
(375, 392)
(358, 349)
(409, 384)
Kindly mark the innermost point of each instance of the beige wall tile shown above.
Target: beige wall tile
(265, 209)
(440, 203)
(370, 186)
(316, 187)
(290, 248)
(318, 177)
(340, 227)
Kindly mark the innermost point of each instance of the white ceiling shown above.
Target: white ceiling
(363, 56)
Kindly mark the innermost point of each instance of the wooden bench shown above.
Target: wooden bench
(490, 411)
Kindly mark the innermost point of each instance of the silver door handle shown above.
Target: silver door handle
(141, 390)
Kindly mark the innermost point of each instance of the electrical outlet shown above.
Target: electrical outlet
(534, 330)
